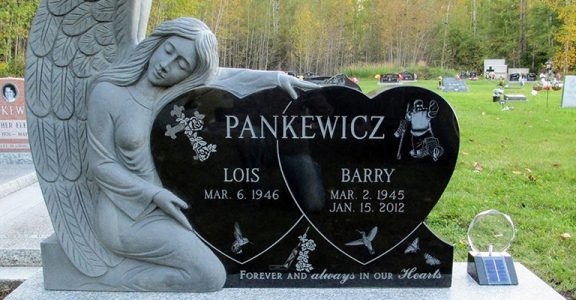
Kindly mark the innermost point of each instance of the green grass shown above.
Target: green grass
(528, 155)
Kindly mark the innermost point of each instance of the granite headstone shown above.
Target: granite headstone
(329, 190)
(13, 133)
(389, 78)
(451, 84)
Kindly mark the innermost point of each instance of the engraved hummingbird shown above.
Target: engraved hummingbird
(239, 240)
(365, 240)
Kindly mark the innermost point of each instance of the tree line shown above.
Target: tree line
(325, 36)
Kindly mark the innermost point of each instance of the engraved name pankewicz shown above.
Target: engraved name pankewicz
(306, 127)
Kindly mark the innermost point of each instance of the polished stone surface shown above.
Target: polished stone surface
(530, 287)
(327, 190)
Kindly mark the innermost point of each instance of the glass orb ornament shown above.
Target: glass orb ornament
(491, 231)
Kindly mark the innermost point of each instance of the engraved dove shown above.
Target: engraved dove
(365, 240)
(239, 240)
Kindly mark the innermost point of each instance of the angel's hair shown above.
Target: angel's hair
(127, 72)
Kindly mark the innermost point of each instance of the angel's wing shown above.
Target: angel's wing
(372, 233)
(70, 41)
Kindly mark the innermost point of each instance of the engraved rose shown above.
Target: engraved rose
(203, 152)
(196, 123)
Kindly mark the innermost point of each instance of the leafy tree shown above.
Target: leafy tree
(15, 19)
(323, 36)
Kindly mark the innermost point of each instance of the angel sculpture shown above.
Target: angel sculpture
(93, 91)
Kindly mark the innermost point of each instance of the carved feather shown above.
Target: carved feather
(109, 53)
(79, 20)
(68, 149)
(105, 34)
(62, 7)
(43, 143)
(82, 132)
(62, 93)
(81, 65)
(38, 79)
(80, 96)
(44, 30)
(64, 49)
(87, 43)
(104, 10)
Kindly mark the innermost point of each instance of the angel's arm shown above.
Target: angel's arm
(243, 82)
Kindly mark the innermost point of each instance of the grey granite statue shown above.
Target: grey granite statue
(93, 91)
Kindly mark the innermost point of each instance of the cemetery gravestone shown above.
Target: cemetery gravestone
(569, 91)
(246, 183)
(531, 77)
(328, 190)
(514, 77)
(451, 84)
(338, 79)
(407, 76)
(515, 97)
(389, 78)
(13, 133)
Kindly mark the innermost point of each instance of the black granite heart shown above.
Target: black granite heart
(366, 172)
(239, 203)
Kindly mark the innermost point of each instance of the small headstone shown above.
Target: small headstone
(389, 78)
(13, 132)
(451, 84)
(531, 77)
(341, 80)
(329, 190)
(407, 76)
(569, 91)
(515, 97)
(514, 77)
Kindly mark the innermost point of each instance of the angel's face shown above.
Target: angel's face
(173, 61)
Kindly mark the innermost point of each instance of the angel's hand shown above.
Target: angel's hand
(290, 84)
(172, 205)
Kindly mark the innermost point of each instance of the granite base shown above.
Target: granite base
(463, 287)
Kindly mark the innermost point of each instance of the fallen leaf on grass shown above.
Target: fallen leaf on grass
(516, 172)
(532, 178)
(464, 153)
(478, 167)
(528, 170)
(565, 236)
(556, 165)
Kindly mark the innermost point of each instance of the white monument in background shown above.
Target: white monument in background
(496, 66)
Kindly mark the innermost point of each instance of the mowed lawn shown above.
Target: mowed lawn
(522, 162)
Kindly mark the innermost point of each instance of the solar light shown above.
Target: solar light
(490, 234)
